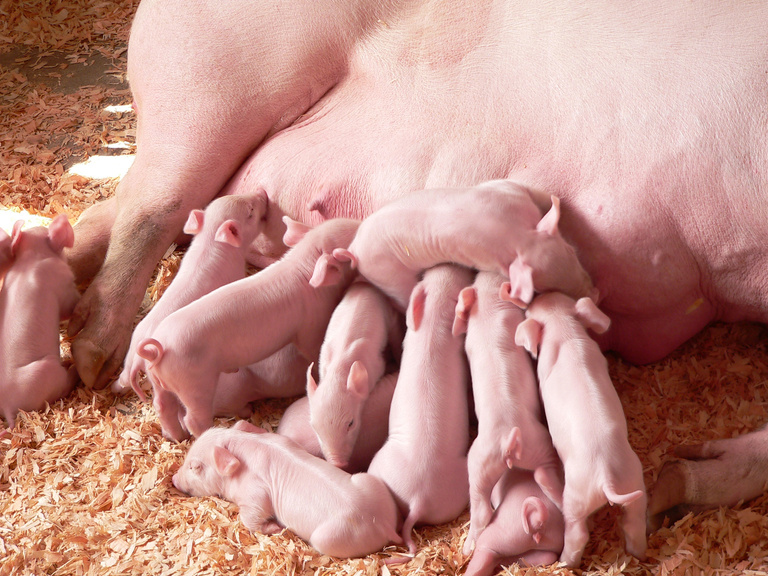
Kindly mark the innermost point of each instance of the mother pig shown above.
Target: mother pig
(648, 119)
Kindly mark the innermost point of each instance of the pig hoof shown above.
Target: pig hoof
(668, 497)
(94, 364)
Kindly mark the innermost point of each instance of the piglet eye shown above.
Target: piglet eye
(196, 467)
(351, 423)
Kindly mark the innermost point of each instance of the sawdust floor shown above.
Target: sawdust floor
(85, 485)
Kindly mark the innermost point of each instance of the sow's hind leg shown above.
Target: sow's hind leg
(200, 111)
(715, 473)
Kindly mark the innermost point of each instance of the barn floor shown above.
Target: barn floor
(85, 486)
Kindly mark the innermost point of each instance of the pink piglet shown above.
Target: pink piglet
(511, 429)
(586, 420)
(38, 292)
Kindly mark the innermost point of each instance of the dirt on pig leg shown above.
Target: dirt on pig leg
(92, 232)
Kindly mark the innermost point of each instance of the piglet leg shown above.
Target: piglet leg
(715, 473)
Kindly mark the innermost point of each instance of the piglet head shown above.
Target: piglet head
(335, 411)
(553, 262)
(55, 238)
(208, 467)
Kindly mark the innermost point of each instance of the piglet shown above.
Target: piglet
(37, 294)
(510, 429)
(424, 460)
(216, 256)
(585, 418)
(277, 484)
(372, 429)
(245, 322)
(526, 527)
(352, 359)
(494, 226)
(6, 257)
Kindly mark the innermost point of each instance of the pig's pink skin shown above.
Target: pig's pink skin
(216, 256)
(424, 460)
(352, 360)
(399, 241)
(38, 292)
(276, 484)
(527, 527)
(510, 418)
(585, 419)
(6, 257)
(350, 94)
(192, 346)
(360, 106)
(374, 423)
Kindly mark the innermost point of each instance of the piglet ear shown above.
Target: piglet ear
(467, 298)
(60, 233)
(415, 313)
(528, 335)
(194, 222)
(550, 220)
(357, 381)
(519, 290)
(327, 272)
(534, 517)
(311, 384)
(344, 255)
(227, 464)
(591, 316)
(16, 235)
(229, 233)
(294, 232)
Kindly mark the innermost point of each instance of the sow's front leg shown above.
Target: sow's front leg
(191, 139)
(715, 473)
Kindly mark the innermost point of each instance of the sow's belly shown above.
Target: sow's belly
(651, 149)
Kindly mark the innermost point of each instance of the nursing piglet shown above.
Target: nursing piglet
(38, 292)
(247, 321)
(424, 460)
(526, 528)
(352, 359)
(494, 226)
(510, 428)
(216, 256)
(277, 484)
(585, 418)
(372, 430)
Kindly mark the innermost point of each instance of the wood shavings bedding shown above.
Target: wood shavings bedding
(85, 485)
